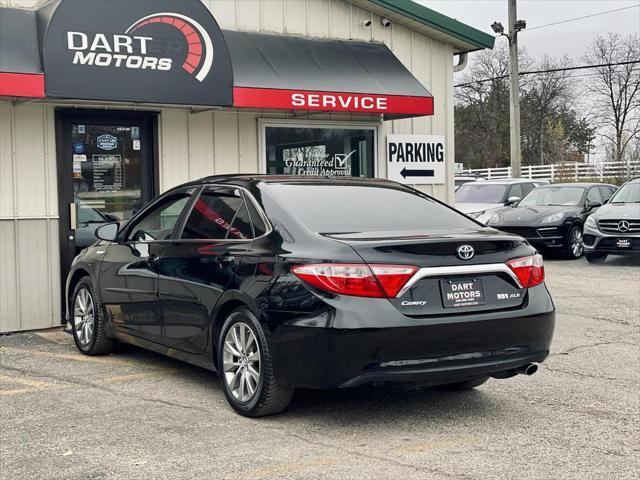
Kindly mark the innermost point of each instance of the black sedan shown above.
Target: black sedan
(552, 217)
(286, 282)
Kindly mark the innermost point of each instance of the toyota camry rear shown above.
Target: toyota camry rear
(376, 282)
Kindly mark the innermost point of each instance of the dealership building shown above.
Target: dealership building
(105, 104)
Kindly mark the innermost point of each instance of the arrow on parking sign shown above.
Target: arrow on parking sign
(416, 173)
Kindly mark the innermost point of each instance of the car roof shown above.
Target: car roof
(578, 184)
(634, 180)
(247, 180)
(507, 181)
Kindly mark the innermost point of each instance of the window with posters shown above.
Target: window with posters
(319, 149)
(107, 165)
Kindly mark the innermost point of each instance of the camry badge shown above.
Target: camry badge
(466, 252)
(623, 226)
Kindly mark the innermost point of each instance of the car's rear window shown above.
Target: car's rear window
(350, 208)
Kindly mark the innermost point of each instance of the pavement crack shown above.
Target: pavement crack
(583, 375)
(103, 388)
(590, 345)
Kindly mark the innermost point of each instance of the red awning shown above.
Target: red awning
(294, 73)
(20, 67)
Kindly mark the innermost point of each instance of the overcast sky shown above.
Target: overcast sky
(571, 38)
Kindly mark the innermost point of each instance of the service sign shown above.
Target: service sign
(160, 51)
(416, 159)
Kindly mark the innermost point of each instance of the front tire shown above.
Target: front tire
(574, 244)
(246, 370)
(88, 321)
(595, 257)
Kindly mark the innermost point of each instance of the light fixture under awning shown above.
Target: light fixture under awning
(295, 73)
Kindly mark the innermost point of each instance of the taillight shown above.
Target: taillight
(529, 270)
(358, 280)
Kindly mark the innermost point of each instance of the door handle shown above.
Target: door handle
(73, 219)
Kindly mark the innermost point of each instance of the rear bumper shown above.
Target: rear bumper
(447, 371)
(386, 346)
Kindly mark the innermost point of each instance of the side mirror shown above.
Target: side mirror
(108, 231)
(512, 201)
(590, 206)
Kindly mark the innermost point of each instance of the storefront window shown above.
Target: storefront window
(321, 150)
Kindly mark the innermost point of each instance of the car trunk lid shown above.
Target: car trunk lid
(446, 283)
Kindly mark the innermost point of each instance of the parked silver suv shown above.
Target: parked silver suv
(615, 228)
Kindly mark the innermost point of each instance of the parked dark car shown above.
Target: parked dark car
(615, 228)
(552, 217)
(285, 282)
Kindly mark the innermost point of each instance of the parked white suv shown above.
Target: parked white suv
(481, 200)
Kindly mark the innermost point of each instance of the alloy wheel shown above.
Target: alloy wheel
(576, 243)
(241, 362)
(84, 317)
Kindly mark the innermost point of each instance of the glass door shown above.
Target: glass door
(105, 171)
(107, 176)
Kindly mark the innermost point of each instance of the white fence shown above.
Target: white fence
(559, 172)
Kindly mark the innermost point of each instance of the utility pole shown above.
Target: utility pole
(515, 26)
(514, 92)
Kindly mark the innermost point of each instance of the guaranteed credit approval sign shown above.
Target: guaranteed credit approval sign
(416, 159)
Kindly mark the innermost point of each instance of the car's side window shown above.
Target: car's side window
(606, 192)
(259, 226)
(159, 222)
(527, 187)
(594, 197)
(516, 191)
(218, 214)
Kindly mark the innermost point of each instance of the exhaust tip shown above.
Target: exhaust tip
(528, 370)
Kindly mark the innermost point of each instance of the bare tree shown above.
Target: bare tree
(545, 94)
(615, 90)
(482, 111)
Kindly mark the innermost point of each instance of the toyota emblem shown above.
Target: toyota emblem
(466, 252)
(623, 226)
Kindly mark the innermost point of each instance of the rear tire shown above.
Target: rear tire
(468, 385)
(595, 257)
(88, 321)
(574, 245)
(245, 368)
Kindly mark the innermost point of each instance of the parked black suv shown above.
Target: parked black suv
(552, 217)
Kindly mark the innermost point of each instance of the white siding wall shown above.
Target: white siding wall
(29, 255)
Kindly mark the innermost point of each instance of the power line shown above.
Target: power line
(551, 70)
(579, 18)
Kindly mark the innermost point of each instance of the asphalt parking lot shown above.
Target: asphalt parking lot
(135, 414)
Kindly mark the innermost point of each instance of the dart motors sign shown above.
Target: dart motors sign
(416, 159)
(160, 51)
